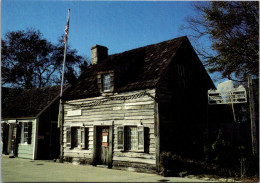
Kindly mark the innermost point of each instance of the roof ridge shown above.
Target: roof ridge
(162, 42)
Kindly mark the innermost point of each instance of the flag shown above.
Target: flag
(66, 31)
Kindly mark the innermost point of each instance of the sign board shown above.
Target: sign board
(227, 94)
(227, 97)
(74, 113)
(104, 138)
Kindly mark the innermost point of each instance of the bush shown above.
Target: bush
(220, 157)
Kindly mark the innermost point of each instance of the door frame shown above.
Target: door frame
(12, 146)
(110, 125)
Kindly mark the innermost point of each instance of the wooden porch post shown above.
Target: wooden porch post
(110, 150)
(94, 146)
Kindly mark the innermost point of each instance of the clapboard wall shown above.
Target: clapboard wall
(25, 150)
(132, 112)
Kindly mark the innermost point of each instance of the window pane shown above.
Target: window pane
(131, 138)
(75, 136)
(25, 127)
(106, 82)
(25, 132)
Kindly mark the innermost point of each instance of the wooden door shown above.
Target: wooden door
(105, 146)
(102, 145)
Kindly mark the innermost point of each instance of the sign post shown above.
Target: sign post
(252, 117)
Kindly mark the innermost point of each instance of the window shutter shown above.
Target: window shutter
(140, 130)
(68, 137)
(120, 138)
(82, 137)
(29, 139)
(19, 130)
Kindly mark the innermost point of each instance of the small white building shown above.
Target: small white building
(29, 122)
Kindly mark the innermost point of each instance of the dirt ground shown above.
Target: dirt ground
(25, 170)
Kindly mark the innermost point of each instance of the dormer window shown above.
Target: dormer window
(105, 81)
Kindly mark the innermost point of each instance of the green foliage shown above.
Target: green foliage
(220, 158)
(29, 60)
(233, 28)
(221, 151)
(229, 159)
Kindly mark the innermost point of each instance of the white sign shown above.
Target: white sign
(74, 113)
(227, 94)
(104, 138)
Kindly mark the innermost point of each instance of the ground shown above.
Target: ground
(25, 170)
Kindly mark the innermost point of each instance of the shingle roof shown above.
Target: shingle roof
(135, 69)
(17, 103)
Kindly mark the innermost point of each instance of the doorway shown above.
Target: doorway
(13, 136)
(103, 146)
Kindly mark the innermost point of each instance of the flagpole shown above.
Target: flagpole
(60, 125)
(63, 68)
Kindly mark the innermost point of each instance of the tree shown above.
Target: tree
(74, 62)
(233, 29)
(29, 60)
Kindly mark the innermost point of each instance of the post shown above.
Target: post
(60, 119)
(232, 105)
(252, 117)
(157, 135)
(234, 115)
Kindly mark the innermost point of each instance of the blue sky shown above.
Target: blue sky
(118, 25)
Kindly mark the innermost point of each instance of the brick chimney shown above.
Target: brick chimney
(98, 53)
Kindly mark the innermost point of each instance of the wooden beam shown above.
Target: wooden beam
(110, 150)
(157, 134)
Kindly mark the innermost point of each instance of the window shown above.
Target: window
(130, 138)
(75, 140)
(77, 137)
(106, 82)
(26, 132)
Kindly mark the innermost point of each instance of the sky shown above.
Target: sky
(120, 26)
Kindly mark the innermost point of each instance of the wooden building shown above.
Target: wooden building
(29, 122)
(127, 108)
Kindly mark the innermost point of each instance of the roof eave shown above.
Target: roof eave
(56, 98)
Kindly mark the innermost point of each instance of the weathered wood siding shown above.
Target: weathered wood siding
(27, 150)
(121, 112)
(48, 133)
(182, 98)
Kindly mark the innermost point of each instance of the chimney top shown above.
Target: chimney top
(98, 46)
(98, 53)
